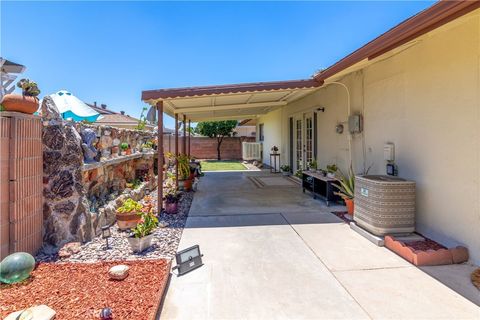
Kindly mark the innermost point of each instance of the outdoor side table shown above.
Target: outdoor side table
(274, 159)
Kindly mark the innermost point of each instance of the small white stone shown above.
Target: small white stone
(118, 272)
(41, 312)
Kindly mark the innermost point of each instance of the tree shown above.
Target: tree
(218, 130)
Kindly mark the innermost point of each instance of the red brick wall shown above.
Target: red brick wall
(206, 148)
(21, 185)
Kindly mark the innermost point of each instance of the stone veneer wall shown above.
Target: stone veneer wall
(81, 197)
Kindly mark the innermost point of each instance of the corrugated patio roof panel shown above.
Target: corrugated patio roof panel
(228, 89)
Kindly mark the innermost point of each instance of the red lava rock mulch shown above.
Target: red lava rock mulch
(427, 244)
(81, 290)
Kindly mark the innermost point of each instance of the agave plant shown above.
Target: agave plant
(29, 88)
(346, 186)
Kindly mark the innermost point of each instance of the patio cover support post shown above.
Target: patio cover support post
(189, 135)
(176, 150)
(184, 147)
(160, 156)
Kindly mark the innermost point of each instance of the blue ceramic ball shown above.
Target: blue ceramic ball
(16, 267)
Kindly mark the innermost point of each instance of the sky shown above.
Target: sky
(109, 52)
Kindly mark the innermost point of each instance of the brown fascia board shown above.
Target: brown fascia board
(427, 20)
(229, 88)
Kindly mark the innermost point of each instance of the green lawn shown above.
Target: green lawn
(213, 165)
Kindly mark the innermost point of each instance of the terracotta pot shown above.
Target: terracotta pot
(20, 103)
(349, 204)
(171, 208)
(127, 221)
(129, 151)
(187, 184)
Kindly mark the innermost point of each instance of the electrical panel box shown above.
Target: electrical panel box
(389, 152)
(355, 123)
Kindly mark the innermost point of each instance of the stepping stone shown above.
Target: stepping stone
(41, 312)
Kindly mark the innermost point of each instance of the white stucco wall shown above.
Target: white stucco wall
(272, 134)
(426, 100)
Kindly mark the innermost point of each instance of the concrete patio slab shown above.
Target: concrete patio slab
(256, 272)
(278, 254)
(234, 193)
(457, 278)
(340, 248)
(405, 293)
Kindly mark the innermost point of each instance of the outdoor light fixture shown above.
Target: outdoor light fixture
(106, 233)
(188, 259)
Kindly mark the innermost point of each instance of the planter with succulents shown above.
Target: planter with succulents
(142, 235)
(27, 102)
(129, 214)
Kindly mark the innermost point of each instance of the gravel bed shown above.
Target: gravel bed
(164, 245)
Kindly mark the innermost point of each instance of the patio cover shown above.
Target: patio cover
(230, 102)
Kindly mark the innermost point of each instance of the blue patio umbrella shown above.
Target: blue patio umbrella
(70, 107)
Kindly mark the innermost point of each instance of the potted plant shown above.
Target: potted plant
(312, 165)
(285, 170)
(27, 102)
(171, 201)
(184, 181)
(124, 148)
(143, 232)
(147, 146)
(346, 188)
(274, 149)
(331, 170)
(129, 214)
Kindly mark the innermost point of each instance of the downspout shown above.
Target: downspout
(349, 137)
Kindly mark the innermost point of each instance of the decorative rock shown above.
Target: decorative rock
(68, 249)
(106, 141)
(65, 207)
(49, 109)
(53, 137)
(106, 314)
(41, 312)
(459, 254)
(16, 267)
(89, 137)
(62, 185)
(118, 272)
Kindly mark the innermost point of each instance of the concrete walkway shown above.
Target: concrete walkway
(272, 252)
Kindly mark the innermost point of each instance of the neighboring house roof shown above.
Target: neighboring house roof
(113, 118)
(102, 109)
(117, 118)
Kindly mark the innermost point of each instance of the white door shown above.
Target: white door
(304, 140)
(308, 142)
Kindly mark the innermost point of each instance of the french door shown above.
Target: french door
(304, 140)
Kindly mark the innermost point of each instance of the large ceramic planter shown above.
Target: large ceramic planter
(171, 208)
(140, 244)
(127, 221)
(20, 103)
(350, 206)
